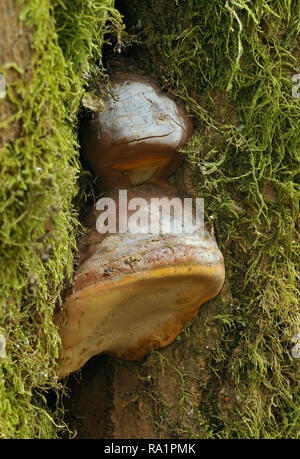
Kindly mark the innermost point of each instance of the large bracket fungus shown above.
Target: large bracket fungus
(133, 293)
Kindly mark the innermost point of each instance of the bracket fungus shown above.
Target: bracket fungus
(136, 138)
(134, 290)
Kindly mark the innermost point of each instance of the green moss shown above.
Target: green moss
(38, 222)
(231, 64)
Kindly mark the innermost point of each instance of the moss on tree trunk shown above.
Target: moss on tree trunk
(231, 373)
(39, 169)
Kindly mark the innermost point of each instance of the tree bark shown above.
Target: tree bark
(15, 56)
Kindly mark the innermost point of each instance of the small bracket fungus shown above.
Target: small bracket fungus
(134, 140)
(134, 290)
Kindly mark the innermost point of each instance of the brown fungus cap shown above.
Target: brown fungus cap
(134, 140)
(133, 293)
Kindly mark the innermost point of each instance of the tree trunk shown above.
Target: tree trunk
(15, 56)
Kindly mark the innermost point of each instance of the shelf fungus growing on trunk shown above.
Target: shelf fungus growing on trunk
(144, 267)
(133, 292)
(136, 138)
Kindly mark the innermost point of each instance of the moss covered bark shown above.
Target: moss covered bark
(231, 63)
(45, 41)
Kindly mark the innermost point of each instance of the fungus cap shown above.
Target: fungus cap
(135, 139)
(133, 293)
